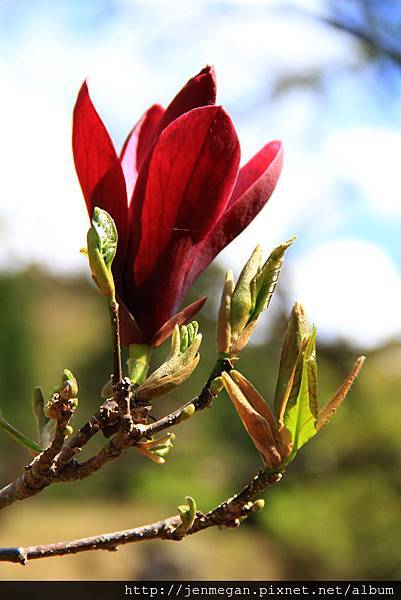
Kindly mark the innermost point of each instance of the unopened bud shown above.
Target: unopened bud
(242, 300)
(224, 316)
(187, 513)
(187, 412)
(216, 386)
(68, 387)
(258, 505)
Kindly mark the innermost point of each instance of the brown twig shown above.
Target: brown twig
(56, 464)
(227, 514)
(115, 339)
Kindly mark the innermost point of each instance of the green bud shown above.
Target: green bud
(68, 430)
(258, 505)
(68, 387)
(216, 386)
(102, 246)
(265, 280)
(187, 412)
(183, 338)
(242, 300)
(187, 513)
(192, 328)
(257, 287)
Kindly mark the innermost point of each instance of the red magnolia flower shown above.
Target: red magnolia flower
(177, 196)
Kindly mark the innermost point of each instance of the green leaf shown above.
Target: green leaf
(243, 297)
(106, 231)
(38, 407)
(301, 418)
(265, 280)
(18, 436)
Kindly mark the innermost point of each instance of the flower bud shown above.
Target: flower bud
(241, 307)
(242, 299)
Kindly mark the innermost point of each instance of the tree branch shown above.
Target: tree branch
(227, 514)
(56, 464)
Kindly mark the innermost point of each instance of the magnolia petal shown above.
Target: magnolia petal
(191, 174)
(199, 91)
(248, 198)
(181, 318)
(130, 332)
(99, 170)
(138, 144)
(255, 424)
(338, 398)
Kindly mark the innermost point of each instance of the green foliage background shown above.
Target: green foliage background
(336, 514)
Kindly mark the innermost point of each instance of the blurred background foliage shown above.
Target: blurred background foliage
(337, 512)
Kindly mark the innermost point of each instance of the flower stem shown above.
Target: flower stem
(115, 338)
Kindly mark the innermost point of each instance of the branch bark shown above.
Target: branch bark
(57, 464)
(227, 514)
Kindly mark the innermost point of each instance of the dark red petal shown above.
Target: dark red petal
(130, 332)
(255, 184)
(191, 177)
(138, 144)
(198, 91)
(99, 169)
(181, 318)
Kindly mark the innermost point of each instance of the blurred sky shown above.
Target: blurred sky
(340, 191)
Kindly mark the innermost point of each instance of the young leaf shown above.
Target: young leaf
(18, 436)
(38, 407)
(338, 398)
(106, 231)
(300, 419)
(266, 278)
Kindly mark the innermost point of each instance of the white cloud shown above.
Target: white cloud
(369, 158)
(351, 290)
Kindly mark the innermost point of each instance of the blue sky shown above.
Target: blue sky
(340, 190)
